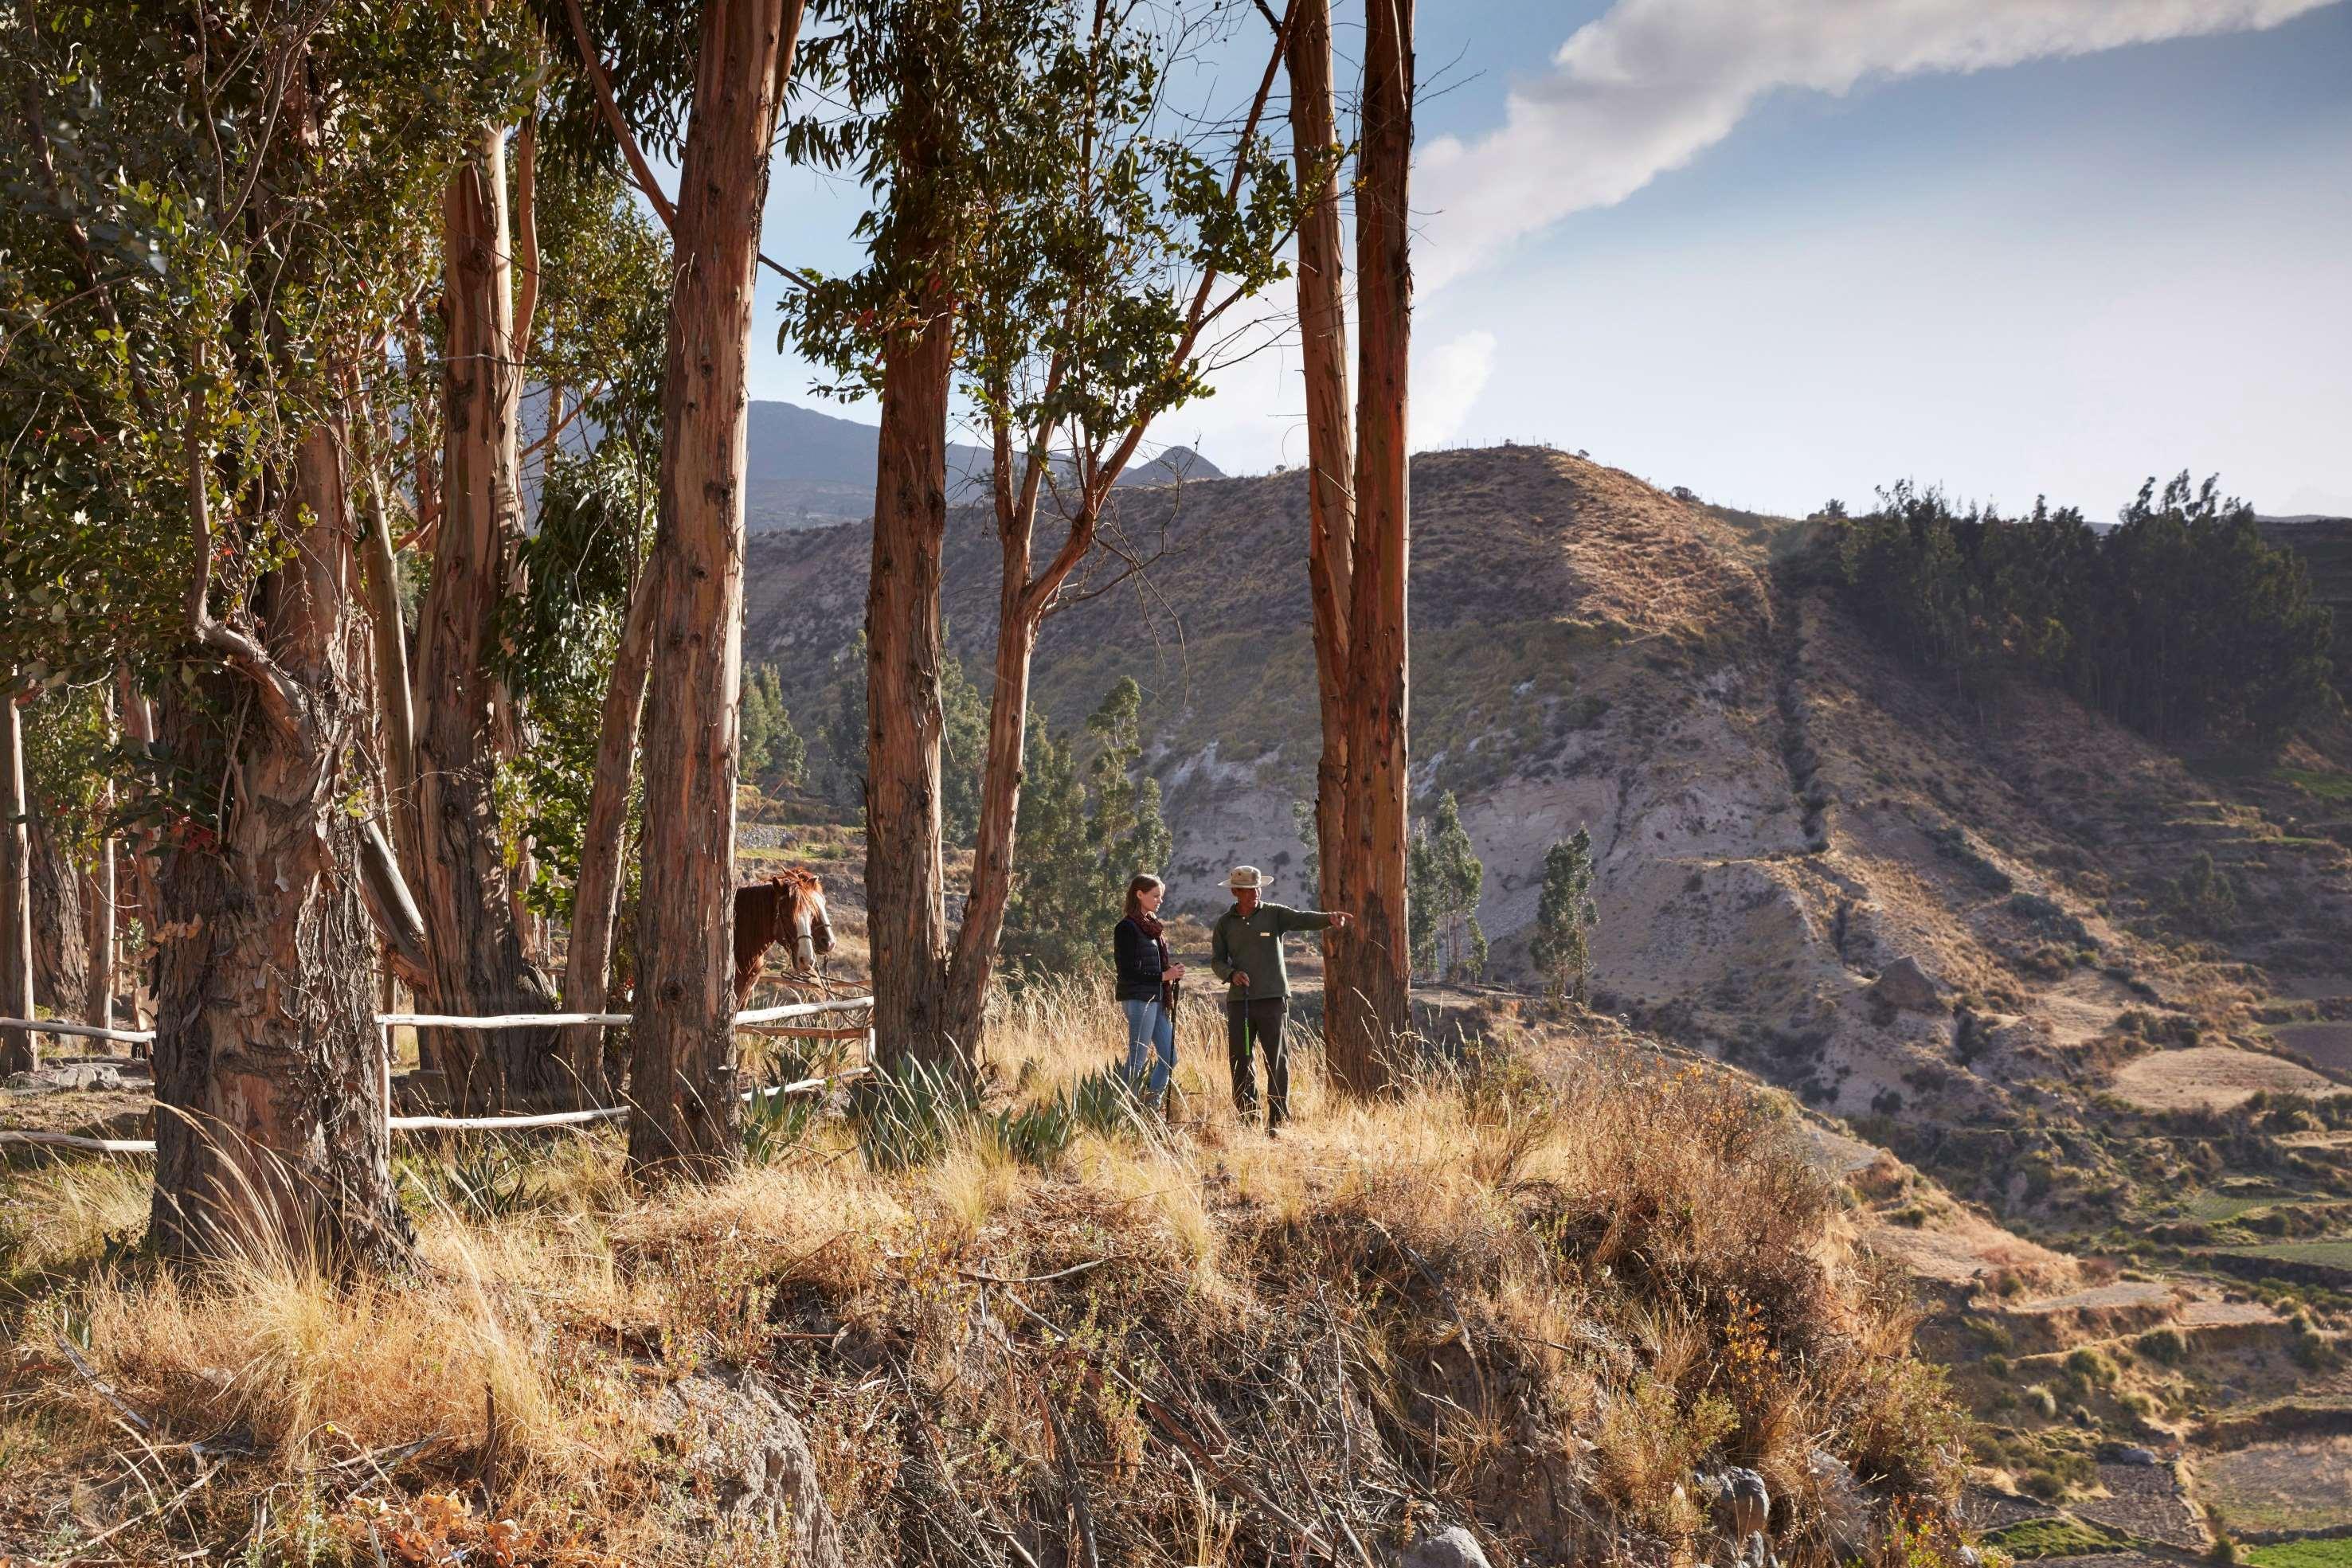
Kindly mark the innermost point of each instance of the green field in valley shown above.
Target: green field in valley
(2333, 1553)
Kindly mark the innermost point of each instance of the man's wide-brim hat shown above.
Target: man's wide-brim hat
(1247, 876)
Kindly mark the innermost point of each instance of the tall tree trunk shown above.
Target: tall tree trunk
(1330, 463)
(100, 1008)
(687, 1119)
(140, 850)
(270, 1074)
(19, 1052)
(906, 873)
(974, 959)
(397, 718)
(479, 960)
(1375, 843)
(596, 891)
(60, 916)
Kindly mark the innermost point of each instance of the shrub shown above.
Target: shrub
(907, 1118)
(1036, 1134)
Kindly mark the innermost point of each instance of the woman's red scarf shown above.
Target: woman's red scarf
(1151, 926)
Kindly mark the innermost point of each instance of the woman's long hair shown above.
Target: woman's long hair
(1141, 882)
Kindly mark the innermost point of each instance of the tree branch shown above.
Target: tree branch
(664, 208)
(280, 697)
(602, 84)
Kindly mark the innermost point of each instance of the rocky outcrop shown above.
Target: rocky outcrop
(1452, 1547)
(1907, 987)
(749, 1476)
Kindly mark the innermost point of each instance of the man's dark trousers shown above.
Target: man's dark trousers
(1263, 1019)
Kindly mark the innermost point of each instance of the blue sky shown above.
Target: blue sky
(1782, 250)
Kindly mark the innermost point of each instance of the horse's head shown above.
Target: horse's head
(811, 928)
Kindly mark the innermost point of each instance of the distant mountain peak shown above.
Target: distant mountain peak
(807, 468)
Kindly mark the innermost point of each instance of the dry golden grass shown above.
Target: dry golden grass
(1533, 1295)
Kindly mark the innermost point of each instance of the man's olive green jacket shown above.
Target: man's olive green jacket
(1252, 944)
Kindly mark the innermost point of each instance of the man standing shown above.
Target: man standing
(1245, 952)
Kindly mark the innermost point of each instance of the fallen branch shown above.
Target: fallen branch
(1031, 1279)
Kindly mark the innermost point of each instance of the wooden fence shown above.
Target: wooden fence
(762, 1020)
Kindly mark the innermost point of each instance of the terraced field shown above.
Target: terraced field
(2324, 1045)
(2280, 1486)
(2328, 1253)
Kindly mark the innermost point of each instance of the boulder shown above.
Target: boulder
(1846, 1515)
(1904, 986)
(748, 1467)
(1452, 1547)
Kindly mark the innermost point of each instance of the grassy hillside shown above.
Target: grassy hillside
(1529, 1298)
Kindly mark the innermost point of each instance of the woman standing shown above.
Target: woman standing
(1147, 979)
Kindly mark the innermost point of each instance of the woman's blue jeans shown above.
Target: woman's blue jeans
(1149, 1025)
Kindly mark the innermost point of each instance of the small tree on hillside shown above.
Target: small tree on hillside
(1084, 831)
(775, 758)
(1565, 918)
(1311, 835)
(1444, 871)
(963, 750)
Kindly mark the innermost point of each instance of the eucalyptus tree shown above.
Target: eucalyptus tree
(1318, 155)
(1055, 237)
(213, 237)
(1373, 1013)
(681, 1089)
(1358, 546)
(466, 723)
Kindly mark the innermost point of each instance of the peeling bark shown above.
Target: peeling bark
(466, 887)
(1375, 1021)
(61, 918)
(686, 1118)
(270, 1075)
(1331, 457)
(906, 873)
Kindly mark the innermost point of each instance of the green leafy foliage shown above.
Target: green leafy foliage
(1037, 1133)
(773, 756)
(1566, 915)
(2202, 898)
(1103, 1101)
(195, 282)
(774, 1124)
(481, 1178)
(559, 636)
(1444, 876)
(1083, 834)
(2180, 621)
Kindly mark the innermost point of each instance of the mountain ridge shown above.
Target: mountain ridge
(806, 468)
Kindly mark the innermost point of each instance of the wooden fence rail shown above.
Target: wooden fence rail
(760, 1020)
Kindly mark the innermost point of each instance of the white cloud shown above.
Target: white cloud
(1651, 84)
(1445, 384)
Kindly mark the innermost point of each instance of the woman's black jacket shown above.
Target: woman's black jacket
(1142, 959)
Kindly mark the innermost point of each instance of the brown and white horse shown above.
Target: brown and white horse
(790, 904)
